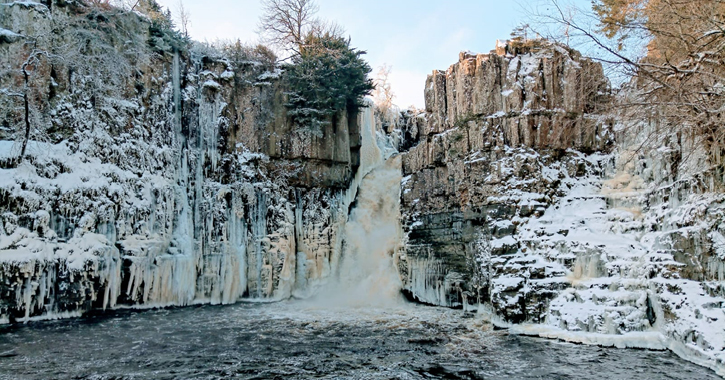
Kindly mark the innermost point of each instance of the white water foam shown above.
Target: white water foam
(367, 276)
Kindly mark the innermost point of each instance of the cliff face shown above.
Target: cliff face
(482, 157)
(532, 94)
(515, 200)
(155, 174)
(138, 170)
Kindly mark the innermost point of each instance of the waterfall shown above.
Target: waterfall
(367, 275)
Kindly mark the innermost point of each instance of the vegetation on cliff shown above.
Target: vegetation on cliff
(324, 75)
(327, 77)
(671, 54)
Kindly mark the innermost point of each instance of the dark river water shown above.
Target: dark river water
(295, 340)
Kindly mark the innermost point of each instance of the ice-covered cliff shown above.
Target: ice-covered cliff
(517, 202)
(473, 156)
(138, 169)
(158, 172)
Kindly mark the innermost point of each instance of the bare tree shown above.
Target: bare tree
(31, 84)
(26, 93)
(33, 60)
(669, 54)
(383, 94)
(184, 19)
(324, 27)
(286, 24)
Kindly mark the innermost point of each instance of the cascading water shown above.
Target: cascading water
(367, 275)
(372, 238)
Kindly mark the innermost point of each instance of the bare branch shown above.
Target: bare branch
(184, 18)
(286, 24)
(677, 79)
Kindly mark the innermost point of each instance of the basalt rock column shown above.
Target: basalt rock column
(473, 167)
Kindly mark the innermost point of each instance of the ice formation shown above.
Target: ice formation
(504, 213)
(176, 181)
(155, 177)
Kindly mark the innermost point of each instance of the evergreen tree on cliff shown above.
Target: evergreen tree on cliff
(324, 75)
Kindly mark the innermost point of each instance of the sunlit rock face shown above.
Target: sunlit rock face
(517, 201)
(532, 94)
(155, 176)
(489, 151)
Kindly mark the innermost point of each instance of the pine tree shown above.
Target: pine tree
(327, 77)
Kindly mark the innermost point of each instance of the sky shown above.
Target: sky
(413, 37)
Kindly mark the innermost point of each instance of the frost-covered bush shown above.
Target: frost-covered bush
(241, 54)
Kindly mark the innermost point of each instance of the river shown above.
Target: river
(301, 340)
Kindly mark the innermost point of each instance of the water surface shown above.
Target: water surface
(295, 340)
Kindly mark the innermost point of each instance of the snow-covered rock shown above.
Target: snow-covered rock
(539, 223)
(154, 177)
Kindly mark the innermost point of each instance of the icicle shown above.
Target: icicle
(176, 82)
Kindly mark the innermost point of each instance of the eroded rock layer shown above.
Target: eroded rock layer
(515, 201)
(480, 157)
(156, 172)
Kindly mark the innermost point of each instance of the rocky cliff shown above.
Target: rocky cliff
(139, 169)
(147, 170)
(482, 153)
(517, 202)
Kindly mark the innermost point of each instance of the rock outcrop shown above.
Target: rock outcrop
(482, 157)
(156, 172)
(517, 202)
(138, 169)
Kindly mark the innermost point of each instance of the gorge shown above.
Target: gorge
(169, 174)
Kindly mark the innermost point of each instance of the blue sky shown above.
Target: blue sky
(414, 37)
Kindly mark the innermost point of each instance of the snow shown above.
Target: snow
(27, 4)
(129, 199)
(529, 63)
(591, 247)
(650, 340)
(606, 251)
(623, 275)
(9, 149)
(211, 84)
(505, 241)
(83, 172)
(719, 245)
(267, 75)
(8, 35)
(163, 268)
